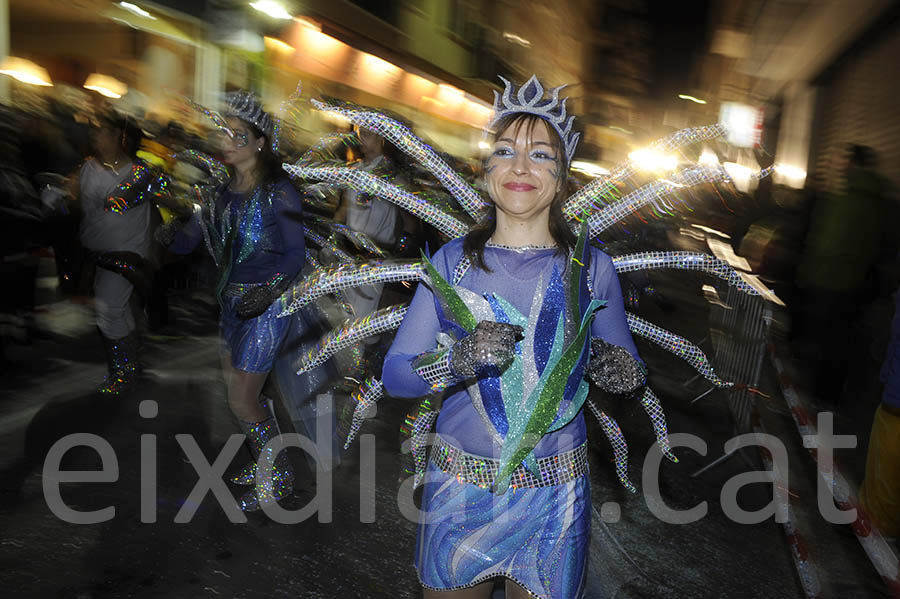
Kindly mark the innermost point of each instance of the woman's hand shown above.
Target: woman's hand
(165, 233)
(254, 302)
(613, 369)
(490, 344)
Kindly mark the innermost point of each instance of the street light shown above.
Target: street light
(276, 10)
(25, 71)
(135, 9)
(691, 99)
(105, 85)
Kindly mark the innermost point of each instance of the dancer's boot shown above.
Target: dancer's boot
(281, 483)
(246, 476)
(122, 364)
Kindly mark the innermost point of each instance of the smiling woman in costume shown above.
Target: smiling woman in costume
(509, 328)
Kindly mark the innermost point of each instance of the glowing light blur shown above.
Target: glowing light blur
(791, 172)
(105, 85)
(743, 122)
(652, 160)
(271, 8)
(515, 39)
(708, 158)
(308, 23)
(739, 173)
(591, 169)
(277, 44)
(135, 9)
(691, 99)
(711, 231)
(25, 71)
(379, 66)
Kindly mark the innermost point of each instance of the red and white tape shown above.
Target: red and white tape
(873, 543)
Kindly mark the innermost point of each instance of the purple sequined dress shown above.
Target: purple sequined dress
(537, 536)
(262, 236)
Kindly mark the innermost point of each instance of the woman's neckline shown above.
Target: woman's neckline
(519, 248)
(115, 166)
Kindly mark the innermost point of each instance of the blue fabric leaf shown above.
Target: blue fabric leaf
(492, 400)
(553, 306)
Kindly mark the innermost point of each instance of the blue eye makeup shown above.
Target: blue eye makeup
(238, 139)
(542, 155)
(241, 140)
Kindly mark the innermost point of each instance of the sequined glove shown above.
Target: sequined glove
(613, 369)
(165, 233)
(491, 344)
(258, 299)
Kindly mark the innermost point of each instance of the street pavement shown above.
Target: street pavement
(49, 393)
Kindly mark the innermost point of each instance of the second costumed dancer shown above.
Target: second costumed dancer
(254, 230)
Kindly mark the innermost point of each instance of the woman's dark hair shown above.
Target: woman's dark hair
(474, 242)
(270, 162)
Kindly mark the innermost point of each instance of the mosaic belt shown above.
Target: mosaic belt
(555, 470)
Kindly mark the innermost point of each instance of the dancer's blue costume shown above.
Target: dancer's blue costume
(535, 536)
(254, 238)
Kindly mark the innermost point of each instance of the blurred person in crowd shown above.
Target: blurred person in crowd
(879, 494)
(258, 221)
(20, 216)
(160, 153)
(837, 270)
(387, 225)
(115, 141)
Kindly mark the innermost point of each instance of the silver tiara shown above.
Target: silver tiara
(530, 99)
(245, 106)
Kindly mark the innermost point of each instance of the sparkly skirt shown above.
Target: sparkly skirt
(253, 343)
(536, 536)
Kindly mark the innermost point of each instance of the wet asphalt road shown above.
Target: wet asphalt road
(48, 393)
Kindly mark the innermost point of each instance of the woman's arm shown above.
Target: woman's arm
(609, 322)
(289, 218)
(417, 335)
(185, 238)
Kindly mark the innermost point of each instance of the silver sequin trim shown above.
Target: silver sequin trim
(437, 374)
(480, 471)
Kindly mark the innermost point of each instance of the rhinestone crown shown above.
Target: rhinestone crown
(529, 98)
(245, 106)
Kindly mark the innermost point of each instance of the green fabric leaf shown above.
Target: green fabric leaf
(449, 299)
(576, 267)
(544, 413)
(518, 444)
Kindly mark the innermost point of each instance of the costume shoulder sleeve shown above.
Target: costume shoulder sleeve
(418, 332)
(609, 323)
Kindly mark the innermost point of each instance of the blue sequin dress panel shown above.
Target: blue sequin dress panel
(514, 277)
(269, 235)
(536, 537)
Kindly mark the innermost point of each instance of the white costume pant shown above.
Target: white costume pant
(112, 293)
